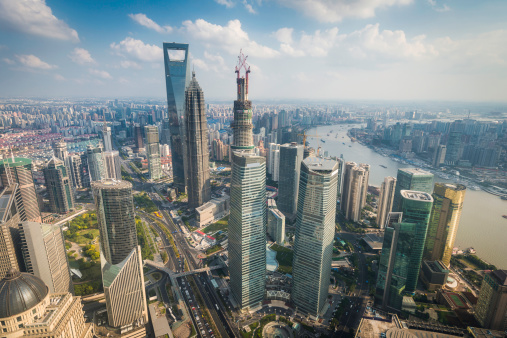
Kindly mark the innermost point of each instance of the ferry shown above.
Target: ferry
(504, 216)
(322, 140)
(383, 166)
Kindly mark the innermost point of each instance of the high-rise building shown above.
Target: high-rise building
(10, 253)
(60, 150)
(84, 171)
(315, 226)
(44, 254)
(120, 254)
(29, 309)
(411, 179)
(247, 229)
(153, 152)
(355, 187)
(56, 174)
(75, 167)
(491, 309)
(402, 250)
(340, 177)
(444, 221)
(276, 226)
(138, 137)
(291, 155)
(95, 163)
(112, 164)
(177, 76)
(276, 165)
(454, 148)
(439, 155)
(199, 190)
(385, 205)
(19, 170)
(106, 133)
(242, 124)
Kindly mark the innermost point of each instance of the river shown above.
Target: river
(482, 226)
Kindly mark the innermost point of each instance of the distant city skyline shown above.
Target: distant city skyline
(305, 49)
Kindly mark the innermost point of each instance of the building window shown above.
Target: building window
(18, 319)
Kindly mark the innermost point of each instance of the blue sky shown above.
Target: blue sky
(298, 49)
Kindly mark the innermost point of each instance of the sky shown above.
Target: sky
(329, 50)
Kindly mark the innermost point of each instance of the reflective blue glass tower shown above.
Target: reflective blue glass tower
(177, 78)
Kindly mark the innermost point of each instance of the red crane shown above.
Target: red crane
(242, 64)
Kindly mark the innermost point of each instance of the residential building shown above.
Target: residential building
(444, 221)
(153, 152)
(491, 309)
(75, 168)
(198, 189)
(411, 179)
(44, 255)
(402, 250)
(315, 227)
(30, 309)
(120, 255)
(10, 253)
(291, 155)
(385, 205)
(355, 187)
(177, 76)
(58, 184)
(60, 150)
(439, 155)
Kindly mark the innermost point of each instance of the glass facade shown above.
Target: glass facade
(247, 229)
(291, 156)
(315, 226)
(153, 152)
(177, 75)
(411, 179)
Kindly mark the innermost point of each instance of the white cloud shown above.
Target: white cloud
(36, 18)
(213, 62)
(249, 7)
(130, 64)
(33, 62)
(138, 49)
(231, 38)
(143, 20)
(8, 61)
(434, 5)
(81, 56)
(284, 35)
(100, 73)
(59, 77)
(317, 44)
(336, 10)
(226, 3)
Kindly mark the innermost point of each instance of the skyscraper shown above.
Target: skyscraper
(444, 221)
(242, 124)
(385, 205)
(61, 198)
(112, 164)
(19, 170)
(454, 148)
(439, 156)
(402, 250)
(355, 187)
(199, 190)
(315, 225)
(120, 254)
(60, 150)
(10, 255)
(106, 133)
(247, 220)
(95, 163)
(276, 226)
(44, 254)
(411, 179)
(177, 75)
(491, 309)
(291, 155)
(75, 168)
(153, 152)
(138, 136)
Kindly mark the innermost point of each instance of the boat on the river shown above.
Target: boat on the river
(383, 166)
(322, 140)
(504, 216)
(504, 198)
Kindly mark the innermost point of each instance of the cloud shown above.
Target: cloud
(130, 64)
(8, 61)
(59, 77)
(100, 73)
(33, 62)
(138, 49)
(317, 44)
(213, 62)
(226, 3)
(249, 7)
(434, 5)
(36, 18)
(230, 38)
(143, 20)
(337, 10)
(81, 56)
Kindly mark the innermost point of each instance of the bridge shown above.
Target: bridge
(172, 274)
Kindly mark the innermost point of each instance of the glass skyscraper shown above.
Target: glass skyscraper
(315, 225)
(58, 183)
(402, 250)
(411, 179)
(291, 155)
(177, 76)
(153, 152)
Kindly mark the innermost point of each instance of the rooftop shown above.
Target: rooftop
(18, 161)
(109, 183)
(500, 276)
(416, 172)
(416, 195)
(320, 164)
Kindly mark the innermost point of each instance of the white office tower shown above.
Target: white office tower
(247, 229)
(315, 226)
(44, 254)
(108, 146)
(112, 164)
(276, 165)
(385, 205)
(271, 160)
(120, 255)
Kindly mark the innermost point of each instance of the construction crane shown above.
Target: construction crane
(305, 135)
